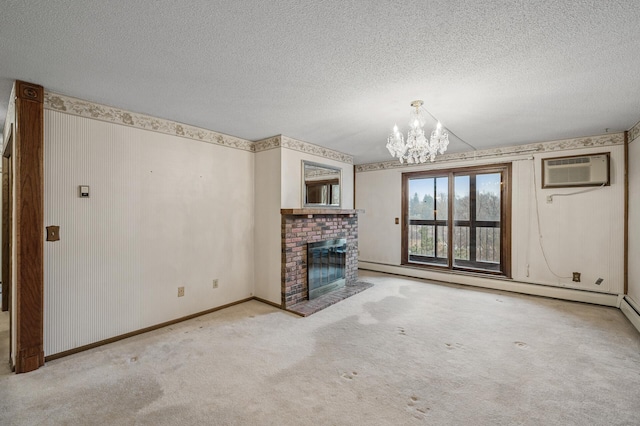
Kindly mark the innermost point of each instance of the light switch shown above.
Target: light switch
(53, 233)
(84, 191)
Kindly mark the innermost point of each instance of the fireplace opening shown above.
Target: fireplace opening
(326, 266)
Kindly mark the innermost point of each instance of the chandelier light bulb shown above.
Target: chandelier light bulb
(418, 147)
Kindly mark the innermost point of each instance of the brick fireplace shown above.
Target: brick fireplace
(304, 226)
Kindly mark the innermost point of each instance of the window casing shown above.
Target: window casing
(458, 219)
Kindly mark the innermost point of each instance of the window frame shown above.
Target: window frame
(505, 218)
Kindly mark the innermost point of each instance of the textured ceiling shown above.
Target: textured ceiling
(339, 73)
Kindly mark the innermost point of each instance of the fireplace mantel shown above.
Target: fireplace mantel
(311, 211)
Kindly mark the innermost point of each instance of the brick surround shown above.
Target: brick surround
(299, 229)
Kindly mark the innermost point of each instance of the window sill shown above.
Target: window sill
(465, 272)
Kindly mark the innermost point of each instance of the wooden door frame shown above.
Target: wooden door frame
(28, 227)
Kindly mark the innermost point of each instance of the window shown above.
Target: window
(458, 219)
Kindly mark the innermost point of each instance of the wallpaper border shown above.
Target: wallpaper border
(282, 141)
(69, 105)
(533, 148)
(74, 106)
(634, 132)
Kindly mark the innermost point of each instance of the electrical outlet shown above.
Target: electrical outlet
(576, 277)
(180, 291)
(215, 283)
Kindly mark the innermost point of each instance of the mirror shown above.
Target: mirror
(320, 185)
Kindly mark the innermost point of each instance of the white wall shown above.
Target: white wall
(268, 225)
(634, 221)
(164, 212)
(582, 233)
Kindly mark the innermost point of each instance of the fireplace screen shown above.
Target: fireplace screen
(326, 266)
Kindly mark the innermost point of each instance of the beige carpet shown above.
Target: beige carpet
(400, 353)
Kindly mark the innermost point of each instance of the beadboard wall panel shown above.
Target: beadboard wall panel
(163, 212)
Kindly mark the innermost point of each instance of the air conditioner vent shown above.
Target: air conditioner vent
(586, 170)
(574, 160)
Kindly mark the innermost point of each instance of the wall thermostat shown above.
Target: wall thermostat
(84, 191)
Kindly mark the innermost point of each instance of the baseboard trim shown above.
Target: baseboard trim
(496, 284)
(629, 310)
(142, 331)
(275, 305)
(626, 306)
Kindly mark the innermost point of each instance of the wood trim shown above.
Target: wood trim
(323, 210)
(451, 224)
(489, 168)
(261, 300)
(505, 256)
(506, 221)
(626, 213)
(144, 330)
(404, 246)
(29, 226)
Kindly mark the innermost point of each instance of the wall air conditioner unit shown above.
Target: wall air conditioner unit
(582, 170)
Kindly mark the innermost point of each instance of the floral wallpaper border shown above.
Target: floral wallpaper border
(634, 132)
(82, 108)
(267, 144)
(560, 145)
(282, 141)
(74, 106)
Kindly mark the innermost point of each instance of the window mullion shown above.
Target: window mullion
(450, 202)
(472, 218)
(435, 219)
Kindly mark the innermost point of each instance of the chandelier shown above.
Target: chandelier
(417, 148)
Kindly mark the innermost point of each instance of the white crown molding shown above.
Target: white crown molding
(559, 145)
(74, 106)
(282, 141)
(634, 132)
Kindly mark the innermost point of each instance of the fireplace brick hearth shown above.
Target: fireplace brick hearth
(303, 226)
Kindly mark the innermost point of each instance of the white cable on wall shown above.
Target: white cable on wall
(535, 191)
(550, 197)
